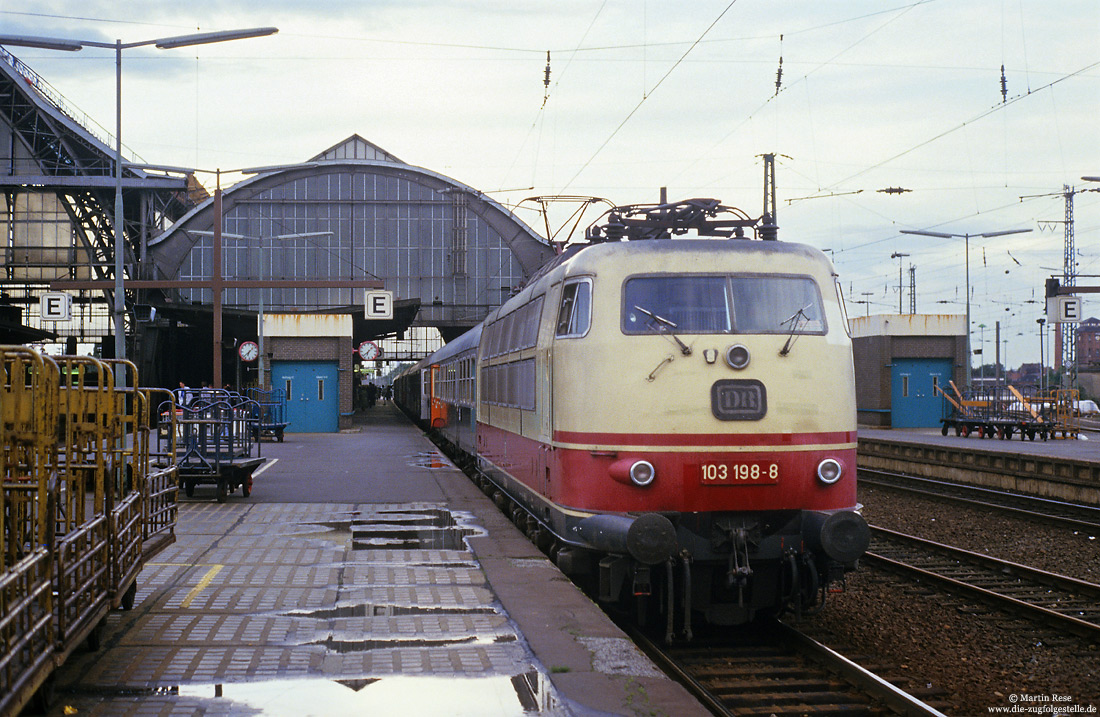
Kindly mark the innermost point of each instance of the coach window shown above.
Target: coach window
(575, 312)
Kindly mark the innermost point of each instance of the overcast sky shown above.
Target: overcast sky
(647, 94)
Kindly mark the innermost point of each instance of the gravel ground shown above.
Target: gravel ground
(980, 658)
(1054, 549)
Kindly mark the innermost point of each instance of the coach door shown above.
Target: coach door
(312, 394)
(914, 400)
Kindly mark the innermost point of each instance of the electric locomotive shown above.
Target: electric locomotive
(671, 418)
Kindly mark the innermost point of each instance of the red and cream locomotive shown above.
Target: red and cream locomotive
(673, 417)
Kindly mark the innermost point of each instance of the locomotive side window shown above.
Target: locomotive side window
(684, 304)
(517, 331)
(575, 311)
(532, 314)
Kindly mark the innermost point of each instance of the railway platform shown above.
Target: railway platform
(1085, 447)
(365, 574)
(1065, 469)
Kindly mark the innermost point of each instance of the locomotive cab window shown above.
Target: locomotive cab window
(575, 311)
(686, 304)
(777, 305)
(707, 304)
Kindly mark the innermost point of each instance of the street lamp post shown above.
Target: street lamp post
(966, 237)
(1042, 357)
(981, 350)
(163, 43)
(899, 256)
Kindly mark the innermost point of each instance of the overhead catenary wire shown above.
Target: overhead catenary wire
(648, 95)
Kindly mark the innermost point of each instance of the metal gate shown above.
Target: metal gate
(312, 394)
(914, 401)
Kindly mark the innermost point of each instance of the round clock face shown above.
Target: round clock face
(249, 351)
(368, 351)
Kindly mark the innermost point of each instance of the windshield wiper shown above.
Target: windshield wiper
(794, 320)
(666, 326)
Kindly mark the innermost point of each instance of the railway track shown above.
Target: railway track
(1067, 604)
(773, 669)
(1045, 510)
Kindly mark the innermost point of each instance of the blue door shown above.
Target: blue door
(312, 395)
(914, 400)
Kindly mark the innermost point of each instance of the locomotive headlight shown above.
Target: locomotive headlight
(828, 471)
(737, 356)
(642, 473)
(631, 470)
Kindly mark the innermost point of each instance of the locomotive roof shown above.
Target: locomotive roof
(656, 251)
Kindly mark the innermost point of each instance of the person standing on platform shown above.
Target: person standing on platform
(183, 394)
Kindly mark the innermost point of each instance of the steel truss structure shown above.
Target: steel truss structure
(56, 207)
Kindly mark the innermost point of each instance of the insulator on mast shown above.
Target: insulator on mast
(546, 81)
(779, 72)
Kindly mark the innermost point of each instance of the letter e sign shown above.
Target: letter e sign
(378, 304)
(56, 306)
(1069, 309)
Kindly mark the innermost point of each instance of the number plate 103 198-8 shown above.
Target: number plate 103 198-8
(738, 473)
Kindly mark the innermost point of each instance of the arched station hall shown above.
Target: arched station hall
(307, 239)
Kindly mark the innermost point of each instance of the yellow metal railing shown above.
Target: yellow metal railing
(83, 502)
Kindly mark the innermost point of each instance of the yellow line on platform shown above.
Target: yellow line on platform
(201, 586)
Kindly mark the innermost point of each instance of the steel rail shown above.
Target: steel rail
(896, 698)
(855, 676)
(676, 671)
(1041, 509)
(1074, 588)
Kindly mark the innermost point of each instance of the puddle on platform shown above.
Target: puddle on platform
(430, 460)
(431, 529)
(346, 647)
(376, 610)
(398, 538)
(528, 693)
(398, 529)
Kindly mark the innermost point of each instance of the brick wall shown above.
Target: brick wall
(873, 356)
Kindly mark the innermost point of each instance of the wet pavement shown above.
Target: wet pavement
(364, 575)
(299, 609)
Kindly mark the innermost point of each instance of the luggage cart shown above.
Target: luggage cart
(216, 442)
(995, 412)
(271, 413)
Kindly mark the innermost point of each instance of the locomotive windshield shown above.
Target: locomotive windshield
(722, 304)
